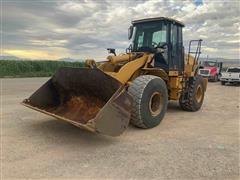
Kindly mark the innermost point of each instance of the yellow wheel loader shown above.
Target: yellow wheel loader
(135, 87)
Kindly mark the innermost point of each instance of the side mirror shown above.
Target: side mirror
(111, 51)
(130, 32)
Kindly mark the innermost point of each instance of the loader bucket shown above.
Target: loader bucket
(87, 98)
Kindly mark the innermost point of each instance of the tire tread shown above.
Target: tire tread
(137, 90)
(188, 103)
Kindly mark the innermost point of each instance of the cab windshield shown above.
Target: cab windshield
(210, 64)
(234, 70)
(149, 35)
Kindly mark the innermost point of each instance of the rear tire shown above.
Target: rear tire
(193, 99)
(150, 100)
(222, 83)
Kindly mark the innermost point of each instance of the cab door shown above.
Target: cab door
(177, 50)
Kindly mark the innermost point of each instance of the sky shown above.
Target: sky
(53, 29)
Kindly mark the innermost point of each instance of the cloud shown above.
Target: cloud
(35, 54)
(84, 29)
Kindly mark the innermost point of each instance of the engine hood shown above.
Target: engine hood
(211, 69)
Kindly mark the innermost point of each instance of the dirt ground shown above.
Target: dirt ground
(186, 145)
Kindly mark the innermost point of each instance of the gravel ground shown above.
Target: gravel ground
(200, 145)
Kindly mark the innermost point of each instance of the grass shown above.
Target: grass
(11, 68)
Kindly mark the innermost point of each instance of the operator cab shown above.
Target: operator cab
(161, 36)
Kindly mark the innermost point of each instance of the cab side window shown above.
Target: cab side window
(174, 39)
(177, 50)
(180, 35)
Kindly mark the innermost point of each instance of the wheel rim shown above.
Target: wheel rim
(199, 94)
(156, 104)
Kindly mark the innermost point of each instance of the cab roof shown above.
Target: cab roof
(157, 19)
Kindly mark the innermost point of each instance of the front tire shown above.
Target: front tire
(223, 83)
(193, 99)
(150, 100)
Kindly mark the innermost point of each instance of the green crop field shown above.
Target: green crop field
(11, 68)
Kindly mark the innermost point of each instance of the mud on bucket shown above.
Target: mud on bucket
(87, 98)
